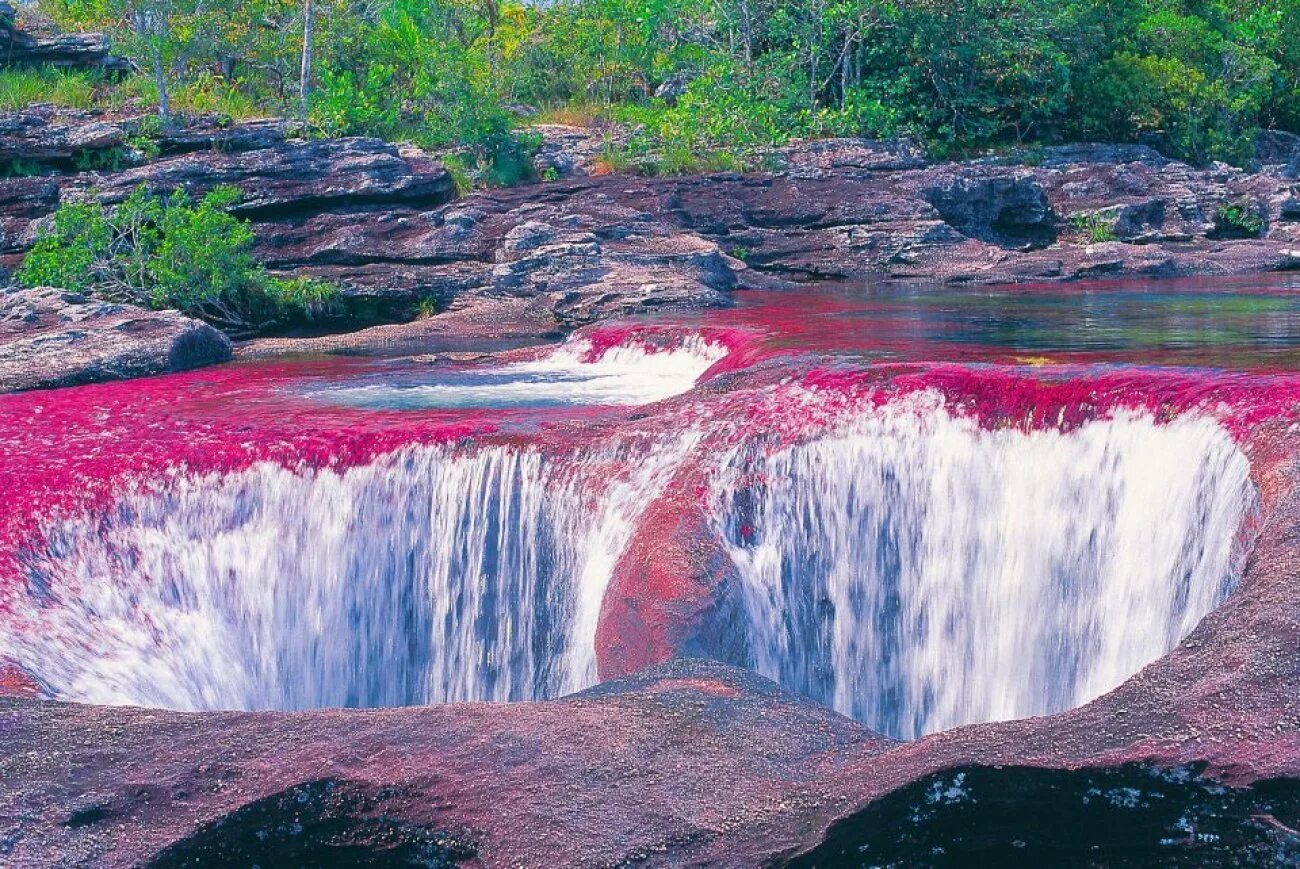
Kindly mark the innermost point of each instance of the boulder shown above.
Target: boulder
(569, 151)
(589, 269)
(50, 338)
(1276, 147)
(209, 133)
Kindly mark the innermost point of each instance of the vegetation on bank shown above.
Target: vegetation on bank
(711, 82)
(169, 252)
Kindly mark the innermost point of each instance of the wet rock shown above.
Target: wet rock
(17, 682)
(52, 338)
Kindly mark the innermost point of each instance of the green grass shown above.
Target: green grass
(20, 88)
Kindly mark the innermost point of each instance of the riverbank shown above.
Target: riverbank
(434, 270)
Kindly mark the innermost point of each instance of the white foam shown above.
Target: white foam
(623, 375)
(917, 572)
(427, 576)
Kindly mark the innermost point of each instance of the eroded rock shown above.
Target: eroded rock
(50, 338)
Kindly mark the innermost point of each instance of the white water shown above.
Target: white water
(425, 577)
(916, 572)
(623, 375)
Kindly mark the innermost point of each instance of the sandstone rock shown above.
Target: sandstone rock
(851, 154)
(74, 50)
(46, 138)
(1058, 156)
(51, 338)
(297, 176)
(591, 268)
(569, 151)
(209, 134)
(1009, 211)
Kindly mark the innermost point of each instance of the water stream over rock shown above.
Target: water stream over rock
(917, 545)
(917, 572)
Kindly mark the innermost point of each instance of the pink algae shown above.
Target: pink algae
(73, 450)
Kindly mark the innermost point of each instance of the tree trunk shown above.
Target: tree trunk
(151, 24)
(160, 77)
(308, 21)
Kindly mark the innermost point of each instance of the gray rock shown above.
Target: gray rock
(51, 338)
(1010, 211)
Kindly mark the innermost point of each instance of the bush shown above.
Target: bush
(1241, 219)
(1095, 227)
(169, 252)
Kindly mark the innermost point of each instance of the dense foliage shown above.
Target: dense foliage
(168, 253)
(1199, 77)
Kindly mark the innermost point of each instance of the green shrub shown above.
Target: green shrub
(1240, 219)
(169, 252)
(19, 168)
(1095, 227)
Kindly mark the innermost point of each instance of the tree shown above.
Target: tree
(150, 18)
(308, 21)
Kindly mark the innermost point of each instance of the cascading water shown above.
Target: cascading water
(917, 572)
(575, 374)
(426, 576)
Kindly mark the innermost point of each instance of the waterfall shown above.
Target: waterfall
(426, 576)
(917, 572)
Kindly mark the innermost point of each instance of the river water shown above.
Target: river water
(934, 506)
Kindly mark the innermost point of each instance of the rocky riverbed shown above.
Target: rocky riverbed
(385, 224)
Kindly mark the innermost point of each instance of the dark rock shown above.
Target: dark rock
(1059, 156)
(46, 138)
(297, 176)
(1276, 147)
(52, 338)
(71, 50)
(671, 89)
(1009, 211)
(1017, 816)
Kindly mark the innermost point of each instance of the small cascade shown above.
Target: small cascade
(575, 374)
(427, 576)
(918, 572)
